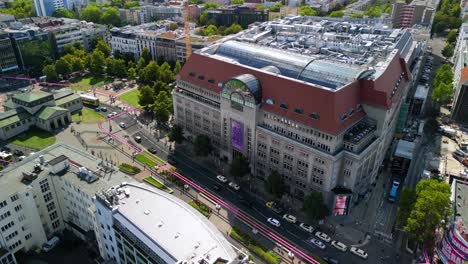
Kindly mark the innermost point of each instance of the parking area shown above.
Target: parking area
(63, 253)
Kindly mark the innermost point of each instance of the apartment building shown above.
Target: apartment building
(50, 191)
(6, 257)
(460, 72)
(151, 13)
(48, 7)
(8, 60)
(416, 13)
(141, 225)
(310, 101)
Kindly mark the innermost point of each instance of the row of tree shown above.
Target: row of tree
(19, 8)
(447, 17)
(222, 30)
(450, 42)
(424, 210)
(107, 16)
(443, 85)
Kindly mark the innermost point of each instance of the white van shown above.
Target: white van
(51, 244)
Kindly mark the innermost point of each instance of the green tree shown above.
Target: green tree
(19, 9)
(165, 73)
(239, 167)
(373, 11)
(78, 46)
(131, 73)
(233, 29)
(442, 93)
(276, 7)
(444, 75)
(63, 67)
(160, 60)
(103, 47)
(36, 54)
(177, 67)
(141, 64)
(97, 62)
(202, 145)
(149, 74)
(447, 51)
(91, 14)
(77, 64)
(69, 49)
(237, 2)
(306, 10)
(275, 184)
(452, 36)
(212, 5)
(111, 16)
(50, 73)
(117, 3)
(162, 107)
(62, 12)
(173, 26)
(119, 68)
(131, 4)
(314, 206)
(160, 86)
(146, 55)
(357, 15)
(176, 134)
(430, 211)
(406, 203)
(146, 96)
(338, 13)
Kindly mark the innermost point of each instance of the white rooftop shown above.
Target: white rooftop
(405, 149)
(421, 92)
(162, 220)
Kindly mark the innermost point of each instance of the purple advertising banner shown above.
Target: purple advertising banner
(237, 135)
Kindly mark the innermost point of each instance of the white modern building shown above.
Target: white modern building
(48, 7)
(141, 225)
(50, 191)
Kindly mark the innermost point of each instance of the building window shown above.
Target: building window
(47, 197)
(18, 207)
(314, 116)
(14, 197)
(284, 106)
(28, 236)
(5, 215)
(3, 204)
(299, 111)
(53, 215)
(50, 206)
(56, 224)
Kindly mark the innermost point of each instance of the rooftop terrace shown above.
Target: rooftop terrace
(325, 53)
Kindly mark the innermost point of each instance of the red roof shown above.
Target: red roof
(330, 105)
(464, 75)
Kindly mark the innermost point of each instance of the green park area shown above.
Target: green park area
(88, 116)
(158, 184)
(131, 98)
(145, 160)
(91, 81)
(203, 209)
(34, 138)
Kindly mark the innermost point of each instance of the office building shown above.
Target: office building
(453, 248)
(8, 60)
(460, 72)
(6, 257)
(141, 225)
(48, 7)
(418, 12)
(50, 191)
(151, 13)
(242, 15)
(44, 110)
(315, 100)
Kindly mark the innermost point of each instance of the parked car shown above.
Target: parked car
(317, 243)
(137, 139)
(6, 149)
(21, 158)
(172, 161)
(331, 260)
(358, 252)
(221, 178)
(290, 218)
(122, 125)
(110, 115)
(153, 150)
(18, 152)
(49, 245)
(306, 227)
(323, 236)
(234, 185)
(114, 113)
(97, 109)
(103, 109)
(340, 246)
(274, 222)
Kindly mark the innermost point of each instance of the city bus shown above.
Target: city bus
(89, 100)
(393, 192)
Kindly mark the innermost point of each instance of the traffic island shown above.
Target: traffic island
(266, 255)
(158, 184)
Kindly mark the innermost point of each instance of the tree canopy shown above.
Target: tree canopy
(406, 203)
(162, 107)
(62, 12)
(36, 54)
(176, 134)
(202, 145)
(239, 167)
(19, 9)
(448, 50)
(276, 7)
(443, 82)
(275, 184)
(314, 206)
(430, 211)
(306, 10)
(338, 13)
(91, 14)
(237, 2)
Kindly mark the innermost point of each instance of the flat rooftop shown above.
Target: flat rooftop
(325, 53)
(162, 220)
(106, 174)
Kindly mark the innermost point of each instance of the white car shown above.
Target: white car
(340, 246)
(306, 228)
(290, 218)
(274, 222)
(221, 178)
(358, 252)
(234, 185)
(122, 125)
(317, 243)
(110, 115)
(49, 245)
(114, 113)
(323, 236)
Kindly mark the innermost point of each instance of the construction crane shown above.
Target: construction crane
(188, 46)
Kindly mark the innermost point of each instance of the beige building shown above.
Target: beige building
(44, 110)
(417, 12)
(323, 123)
